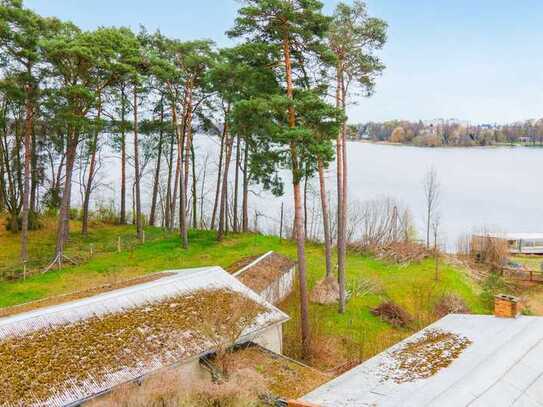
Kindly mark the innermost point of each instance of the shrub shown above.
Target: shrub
(52, 199)
(492, 286)
(33, 222)
(393, 314)
(106, 214)
(75, 214)
(450, 304)
(171, 389)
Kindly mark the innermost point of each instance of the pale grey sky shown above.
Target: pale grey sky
(473, 60)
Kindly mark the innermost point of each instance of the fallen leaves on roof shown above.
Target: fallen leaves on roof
(423, 358)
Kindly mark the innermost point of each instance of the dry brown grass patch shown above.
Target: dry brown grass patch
(169, 389)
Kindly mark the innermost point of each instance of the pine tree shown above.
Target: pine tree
(295, 28)
(353, 37)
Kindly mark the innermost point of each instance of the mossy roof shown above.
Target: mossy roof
(262, 272)
(70, 352)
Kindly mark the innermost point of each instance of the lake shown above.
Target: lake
(495, 187)
(498, 188)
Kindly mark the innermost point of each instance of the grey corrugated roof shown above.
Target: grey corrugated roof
(502, 367)
(181, 282)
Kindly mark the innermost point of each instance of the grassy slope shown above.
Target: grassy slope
(413, 287)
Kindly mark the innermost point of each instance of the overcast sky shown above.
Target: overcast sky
(476, 60)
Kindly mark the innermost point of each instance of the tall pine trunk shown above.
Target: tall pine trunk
(341, 240)
(219, 179)
(168, 204)
(194, 188)
(236, 186)
(245, 202)
(2, 186)
(34, 175)
(27, 162)
(123, 158)
(298, 210)
(179, 181)
(152, 216)
(187, 135)
(223, 212)
(306, 217)
(139, 218)
(92, 170)
(345, 210)
(173, 203)
(63, 227)
(325, 219)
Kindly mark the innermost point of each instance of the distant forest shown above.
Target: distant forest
(450, 133)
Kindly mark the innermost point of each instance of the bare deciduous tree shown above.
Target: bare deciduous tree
(431, 196)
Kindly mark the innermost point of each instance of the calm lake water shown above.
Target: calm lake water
(495, 187)
(499, 188)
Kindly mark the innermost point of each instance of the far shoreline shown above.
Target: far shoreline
(448, 146)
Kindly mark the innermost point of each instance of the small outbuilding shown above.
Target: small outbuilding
(518, 243)
(271, 275)
(67, 354)
(461, 360)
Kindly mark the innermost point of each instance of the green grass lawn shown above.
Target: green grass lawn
(357, 331)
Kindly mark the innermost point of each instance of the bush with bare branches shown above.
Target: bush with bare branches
(171, 389)
(379, 223)
(450, 304)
